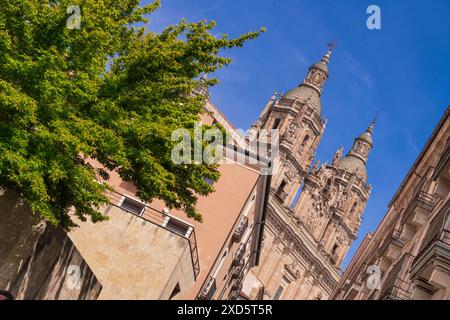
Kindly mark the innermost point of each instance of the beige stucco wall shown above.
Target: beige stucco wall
(134, 258)
(221, 211)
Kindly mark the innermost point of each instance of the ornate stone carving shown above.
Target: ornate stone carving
(337, 155)
(315, 214)
(292, 132)
(316, 166)
(343, 201)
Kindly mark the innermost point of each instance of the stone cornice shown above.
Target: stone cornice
(438, 254)
(304, 244)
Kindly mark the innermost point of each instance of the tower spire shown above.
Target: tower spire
(372, 124)
(326, 57)
(318, 72)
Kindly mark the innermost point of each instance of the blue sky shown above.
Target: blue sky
(401, 71)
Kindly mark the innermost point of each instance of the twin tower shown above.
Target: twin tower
(314, 211)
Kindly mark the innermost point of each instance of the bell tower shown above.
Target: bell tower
(334, 197)
(297, 116)
(305, 243)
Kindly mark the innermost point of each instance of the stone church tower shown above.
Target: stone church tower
(305, 242)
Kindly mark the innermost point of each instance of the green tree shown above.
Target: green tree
(108, 91)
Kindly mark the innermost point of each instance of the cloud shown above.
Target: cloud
(216, 5)
(410, 141)
(300, 57)
(352, 65)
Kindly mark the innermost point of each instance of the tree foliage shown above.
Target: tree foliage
(109, 91)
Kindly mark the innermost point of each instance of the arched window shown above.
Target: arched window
(305, 140)
(327, 186)
(276, 124)
(281, 187)
(304, 143)
(353, 210)
(335, 248)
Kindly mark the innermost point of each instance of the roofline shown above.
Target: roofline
(421, 155)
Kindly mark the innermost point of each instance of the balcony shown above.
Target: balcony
(432, 264)
(239, 254)
(234, 294)
(236, 286)
(399, 290)
(237, 271)
(392, 246)
(208, 290)
(240, 229)
(420, 208)
(395, 286)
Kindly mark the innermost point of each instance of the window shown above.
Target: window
(328, 186)
(178, 227)
(305, 140)
(335, 248)
(304, 143)
(132, 206)
(284, 283)
(352, 211)
(276, 124)
(278, 293)
(281, 187)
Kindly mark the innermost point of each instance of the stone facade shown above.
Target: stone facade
(306, 241)
(408, 256)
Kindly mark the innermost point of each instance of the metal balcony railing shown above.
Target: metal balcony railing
(159, 218)
(400, 290)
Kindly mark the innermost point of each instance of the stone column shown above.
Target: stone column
(275, 271)
(306, 284)
(270, 263)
